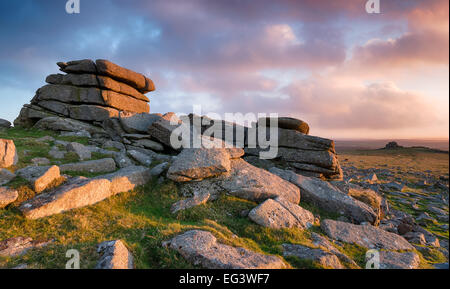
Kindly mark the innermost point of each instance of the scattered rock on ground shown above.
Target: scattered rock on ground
(82, 151)
(366, 236)
(140, 157)
(8, 153)
(40, 177)
(395, 260)
(114, 255)
(18, 246)
(196, 200)
(202, 248)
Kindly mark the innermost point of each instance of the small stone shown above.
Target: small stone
(40, 161)
(325, 259)
(6, 176)
(142, 158)
(18, 246)
(40, 177)
(196, 200)
(7, 196)
(8, 153)
(159, 169)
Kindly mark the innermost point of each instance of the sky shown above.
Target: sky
(349, 74)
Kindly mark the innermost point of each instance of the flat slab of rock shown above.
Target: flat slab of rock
(7, 196)
(40, 177)
(149, 144)
(114, 255)
(252, 183)
(324, 258)
(126, 179)
(67, 124)
(366, 236)
(140, 157)
(83, 152)
(6, 176)
(279, 214)
(193, 164)
(329, 198)
(8, 153)
(94, 166)
(77, 193)
(201, 248)
(395, 260)
(18, 246)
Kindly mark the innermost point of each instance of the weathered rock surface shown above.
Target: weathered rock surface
(395, 260)
(323, 258)
(201, 248)
(279, 214)
(140, 157)
(286, 123)
(366, 236)
(6, 176)
(77, 193)
(128, 178)
(323, 243)
(114, 255)
(40, 177)
(194, 164)
(327, 197)
(94, 166)
(82, 152)
(4, 123)
(252, 183)
(67, 124)
(7, 196)
(196, 200)
(8, 153)
(138, 123)
(18, 246)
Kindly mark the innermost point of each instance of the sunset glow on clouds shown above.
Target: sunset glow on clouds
(349, 74)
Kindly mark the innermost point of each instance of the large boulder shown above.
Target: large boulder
(4, 123)
(136, 80)
(281, 214)
(329, 198)
(92, 80)
(76, 193)
(8, 153)
(366, 236)
(193, 164)
(202, 248)
(114, 255)
(397, 260)
(40, 177)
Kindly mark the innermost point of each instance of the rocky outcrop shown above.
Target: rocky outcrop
(202, 248)
(8, 153)
(4, 123)
(91, 92)
(114, 255)
(366, 236)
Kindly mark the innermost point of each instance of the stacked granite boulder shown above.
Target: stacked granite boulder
(90, 92)
(296, 149)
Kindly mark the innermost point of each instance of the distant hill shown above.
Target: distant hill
(430, 145)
